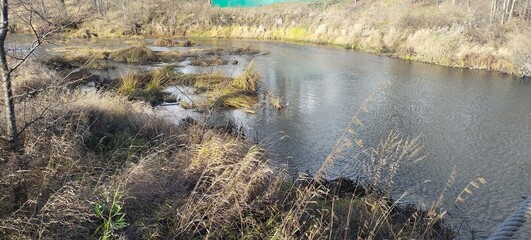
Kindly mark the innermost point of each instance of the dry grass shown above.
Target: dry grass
(208, 61)
(167, 56)
(435, 32)
(219, 91)
(249, 79)
(274, 100)
(239, 93)
(184, 182)
(76, 144)
(137, 54)
(167, 42)
(147, 86)
(34, 78)
(438, 32)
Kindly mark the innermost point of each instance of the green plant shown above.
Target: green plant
(110, 214)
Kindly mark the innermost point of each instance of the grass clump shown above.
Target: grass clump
(239, 93)
(204, 82)
(219, 91)
(70, 62)
(147, 86)
(137, 54)
(167, 42)
(208, 61)
(238, 100)
(166, 56)
(274, 100)
(248, 81)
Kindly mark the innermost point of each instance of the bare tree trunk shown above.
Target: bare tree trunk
(526, 13)
(505, 10)
(124, 9)
(12, 133)
(511, 12)
(492, 11)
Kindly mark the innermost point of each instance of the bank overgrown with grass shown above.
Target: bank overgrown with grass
(97, 165)
(440, 32)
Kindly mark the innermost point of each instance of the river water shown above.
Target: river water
(476, 122)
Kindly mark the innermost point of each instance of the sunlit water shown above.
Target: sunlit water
(476, 121)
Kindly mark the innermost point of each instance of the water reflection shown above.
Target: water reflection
(477, 121)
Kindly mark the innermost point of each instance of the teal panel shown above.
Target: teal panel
(250, 3)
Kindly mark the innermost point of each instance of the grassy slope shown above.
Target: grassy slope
(442, 34)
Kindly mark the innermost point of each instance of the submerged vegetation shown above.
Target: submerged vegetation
(274, 100)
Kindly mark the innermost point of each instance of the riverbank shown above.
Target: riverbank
(105, 164)
(443, 33)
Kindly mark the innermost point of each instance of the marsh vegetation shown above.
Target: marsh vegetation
(101, 161)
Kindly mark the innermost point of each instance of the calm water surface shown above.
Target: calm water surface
(476, 121)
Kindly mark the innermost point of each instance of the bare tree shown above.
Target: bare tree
(12, 133)
(53, 25)
(504, 10)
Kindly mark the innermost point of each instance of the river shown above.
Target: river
(476, 122)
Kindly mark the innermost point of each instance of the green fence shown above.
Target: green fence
(250, 3)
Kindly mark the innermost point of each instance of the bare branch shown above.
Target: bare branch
(28, 124)
(36, 44)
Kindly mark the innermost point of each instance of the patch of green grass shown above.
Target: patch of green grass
(297, 33)
(110, 214)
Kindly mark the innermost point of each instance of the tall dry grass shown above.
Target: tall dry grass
(75, 143)
(434, 31)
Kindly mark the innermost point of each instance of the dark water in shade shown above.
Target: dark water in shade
(477, 121)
